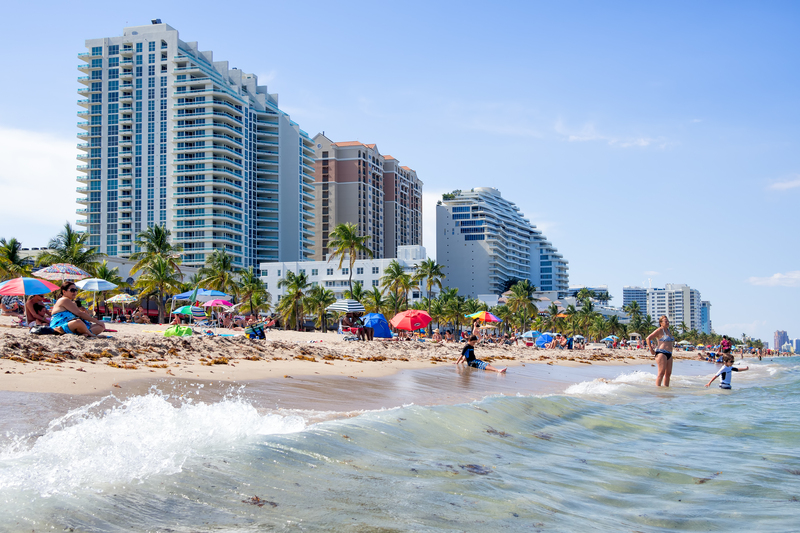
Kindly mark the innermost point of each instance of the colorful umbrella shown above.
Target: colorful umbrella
(122, 299)
(189, 310)
(485, 316)
(217, 303)
(95, 285)
(411, 320)
(530, 334)
(27, 287)
(61, 271)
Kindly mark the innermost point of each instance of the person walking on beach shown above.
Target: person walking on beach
(468, 355)
(726, 371)
(663, 353)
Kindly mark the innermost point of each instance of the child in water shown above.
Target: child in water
(726, 372)
(468, 355)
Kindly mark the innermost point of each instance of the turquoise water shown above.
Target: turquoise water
(614, 454)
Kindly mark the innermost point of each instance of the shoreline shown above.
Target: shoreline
(140, 353)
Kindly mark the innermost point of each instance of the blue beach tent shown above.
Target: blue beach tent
(543, 339)
(377, 322)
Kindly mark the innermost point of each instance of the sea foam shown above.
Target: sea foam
(140, 437)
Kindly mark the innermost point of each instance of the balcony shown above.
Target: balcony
(126, 141)
(86, 67)
(83, 146)
(83, 157)
(126, 51)
(82, 211)
(85, 125)
(126, 75)
(126, 97)
(82, 200)
(86, 80)
(126, 119)
(85, 102)
(126, 63)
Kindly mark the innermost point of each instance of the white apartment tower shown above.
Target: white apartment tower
(482, 240)
(679, 302)
(173, 137)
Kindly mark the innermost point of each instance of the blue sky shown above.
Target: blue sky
(649, 141)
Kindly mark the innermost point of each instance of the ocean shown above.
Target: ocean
(542, 449)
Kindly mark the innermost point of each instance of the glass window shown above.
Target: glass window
(97, 50)
(330, 272)
(113, 62)
(113, 50)
(113, 73)
(314, 272)
(151, 46)
(345, 270)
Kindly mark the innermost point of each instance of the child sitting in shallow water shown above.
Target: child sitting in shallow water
(468, 355)
(726, 372)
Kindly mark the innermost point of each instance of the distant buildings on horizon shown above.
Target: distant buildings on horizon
(679, 302)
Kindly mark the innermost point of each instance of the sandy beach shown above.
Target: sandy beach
(77, 365)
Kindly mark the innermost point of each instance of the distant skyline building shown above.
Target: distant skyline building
(635, 294)
(354, 183)
(173, 137)
(781, 338)
(483, 241)
(705, 317)
(679, 302)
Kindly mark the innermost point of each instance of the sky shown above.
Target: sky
(651, 142)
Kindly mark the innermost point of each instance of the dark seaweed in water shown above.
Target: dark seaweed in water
(476, 469)
(492, 431)
(255, 500)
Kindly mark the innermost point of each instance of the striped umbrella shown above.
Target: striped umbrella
(484, 316)
(61, 271)
(347, 306)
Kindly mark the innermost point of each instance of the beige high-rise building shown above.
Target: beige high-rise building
(355, 183)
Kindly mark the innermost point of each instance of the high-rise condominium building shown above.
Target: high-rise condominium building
(635, 294)
(679, 302)
(356, 184)
(482, 241)
(781, 338)
(705, 317)
(173, 137)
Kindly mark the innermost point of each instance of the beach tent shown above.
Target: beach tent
(543, 339)
(379, 324)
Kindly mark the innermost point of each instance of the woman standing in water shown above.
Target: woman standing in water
(664, 351)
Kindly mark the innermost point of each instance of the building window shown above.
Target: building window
(376, 270)
(345, 271)
(330, 272)
(314, 272)
(359, 270)
(375, 282)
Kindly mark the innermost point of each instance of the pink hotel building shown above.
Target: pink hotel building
(355, 183)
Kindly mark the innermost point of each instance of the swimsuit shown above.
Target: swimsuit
(60, 320)
(469, 354)
(666, 337)
(726, 372)
(666, 353)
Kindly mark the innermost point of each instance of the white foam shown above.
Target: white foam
(598, 386)
(141, 437)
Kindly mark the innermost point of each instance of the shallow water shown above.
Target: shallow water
(477, 452)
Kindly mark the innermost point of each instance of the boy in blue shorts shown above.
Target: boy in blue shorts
(468, 355)
(726, 372)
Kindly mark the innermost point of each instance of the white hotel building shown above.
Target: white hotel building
(175, 138)
(326, 273)
(679, 302)
(482, 240)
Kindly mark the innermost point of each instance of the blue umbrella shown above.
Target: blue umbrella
(607, 339)
(377, 322)
(543, 339)
(530, 334)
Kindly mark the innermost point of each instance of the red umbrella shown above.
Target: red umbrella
(411, 320)
(27, 287)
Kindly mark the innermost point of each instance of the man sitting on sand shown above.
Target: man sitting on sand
(468, 355)
(35, 312)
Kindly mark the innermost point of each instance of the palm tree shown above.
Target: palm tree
(572, 316)
(195, 280)
(522, 302)
(614, 325)
(154, 241)
(250, 286)
(504, 313)
(584, 295)
(345, 240)
(633, 309)
(257, 303)
(356, 293)
(587, 316)
(157, 278)
(317, 302)
(648, 325)
(218, 273)
(454, 310)
(433, 274)
(395, 302)
(395, 280)
(437, 311)
(290, 305)
(373, 301)
(12, 264)
(71, 247)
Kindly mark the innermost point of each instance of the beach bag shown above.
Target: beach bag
(43, 330)
(178, 331)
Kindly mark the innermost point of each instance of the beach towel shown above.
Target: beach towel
(178, 331)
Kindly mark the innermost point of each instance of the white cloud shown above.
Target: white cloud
(789, 279)
(37, 178)
(785, 185)
(588, 133)
(265, 78)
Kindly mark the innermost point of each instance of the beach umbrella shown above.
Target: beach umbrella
(543, 339)
(411, 319)
(61, 271)
(346, 305)
(530, 334)
(189, 310)
(607, 339)
(123, 299)
(578, 337)
(95, 285)
(203, 295)
(379, 324)
(217, 303)
(27, 287)
(485, 316)
(684, 343)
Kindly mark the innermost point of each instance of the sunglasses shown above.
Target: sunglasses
(72, 289)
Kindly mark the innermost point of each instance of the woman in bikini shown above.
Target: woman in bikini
(67, 317)
(664, 351)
